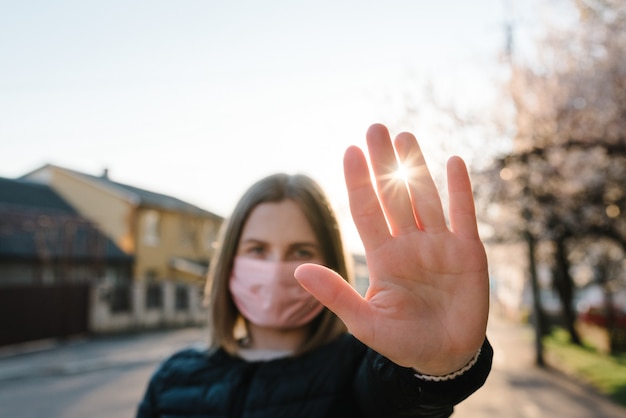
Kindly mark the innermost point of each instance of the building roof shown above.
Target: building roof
(139, 196)
(37, 223)
(33, 195)
(158, 200)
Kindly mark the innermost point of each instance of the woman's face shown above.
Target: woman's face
(279, 232)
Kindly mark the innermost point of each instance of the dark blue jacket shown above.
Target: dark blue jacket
(341, 379)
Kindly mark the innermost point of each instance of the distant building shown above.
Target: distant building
(167, 237)
(45, 241)
(360, 273)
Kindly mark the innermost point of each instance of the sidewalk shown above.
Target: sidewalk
(517, 388)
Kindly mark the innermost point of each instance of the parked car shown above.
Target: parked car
(597, 315)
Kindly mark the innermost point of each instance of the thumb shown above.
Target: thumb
(333, 291)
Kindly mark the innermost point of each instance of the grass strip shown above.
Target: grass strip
(604, 372)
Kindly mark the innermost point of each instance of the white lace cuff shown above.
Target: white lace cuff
(450, 376)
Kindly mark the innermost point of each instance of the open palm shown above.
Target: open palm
(427, 303)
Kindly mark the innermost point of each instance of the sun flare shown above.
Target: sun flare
(401, 173)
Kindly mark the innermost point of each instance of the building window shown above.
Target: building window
(151, 275)
(151, 228)
(120, 298)
(154, 295)
(210, 235)
(181, 298)
(187, 232)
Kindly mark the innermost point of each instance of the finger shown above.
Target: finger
(462, 210)
(334, 292)
(364, 206)
(392, 190)
(424, 194)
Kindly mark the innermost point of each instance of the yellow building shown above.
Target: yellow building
(170, 239)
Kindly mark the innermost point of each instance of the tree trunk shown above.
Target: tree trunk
(565, 288)
(540, 323)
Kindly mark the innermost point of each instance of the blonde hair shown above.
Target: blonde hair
(223, 314)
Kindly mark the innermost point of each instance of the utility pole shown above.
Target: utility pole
(508, 27)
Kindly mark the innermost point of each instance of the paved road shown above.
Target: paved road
(105, 377)
(97, 378)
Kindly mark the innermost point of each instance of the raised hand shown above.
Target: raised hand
(428, 299)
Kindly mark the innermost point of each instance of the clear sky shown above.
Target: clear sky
(198, 98)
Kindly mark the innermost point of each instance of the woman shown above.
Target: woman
(414, 346)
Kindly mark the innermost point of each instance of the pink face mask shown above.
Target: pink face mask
(267, 293)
